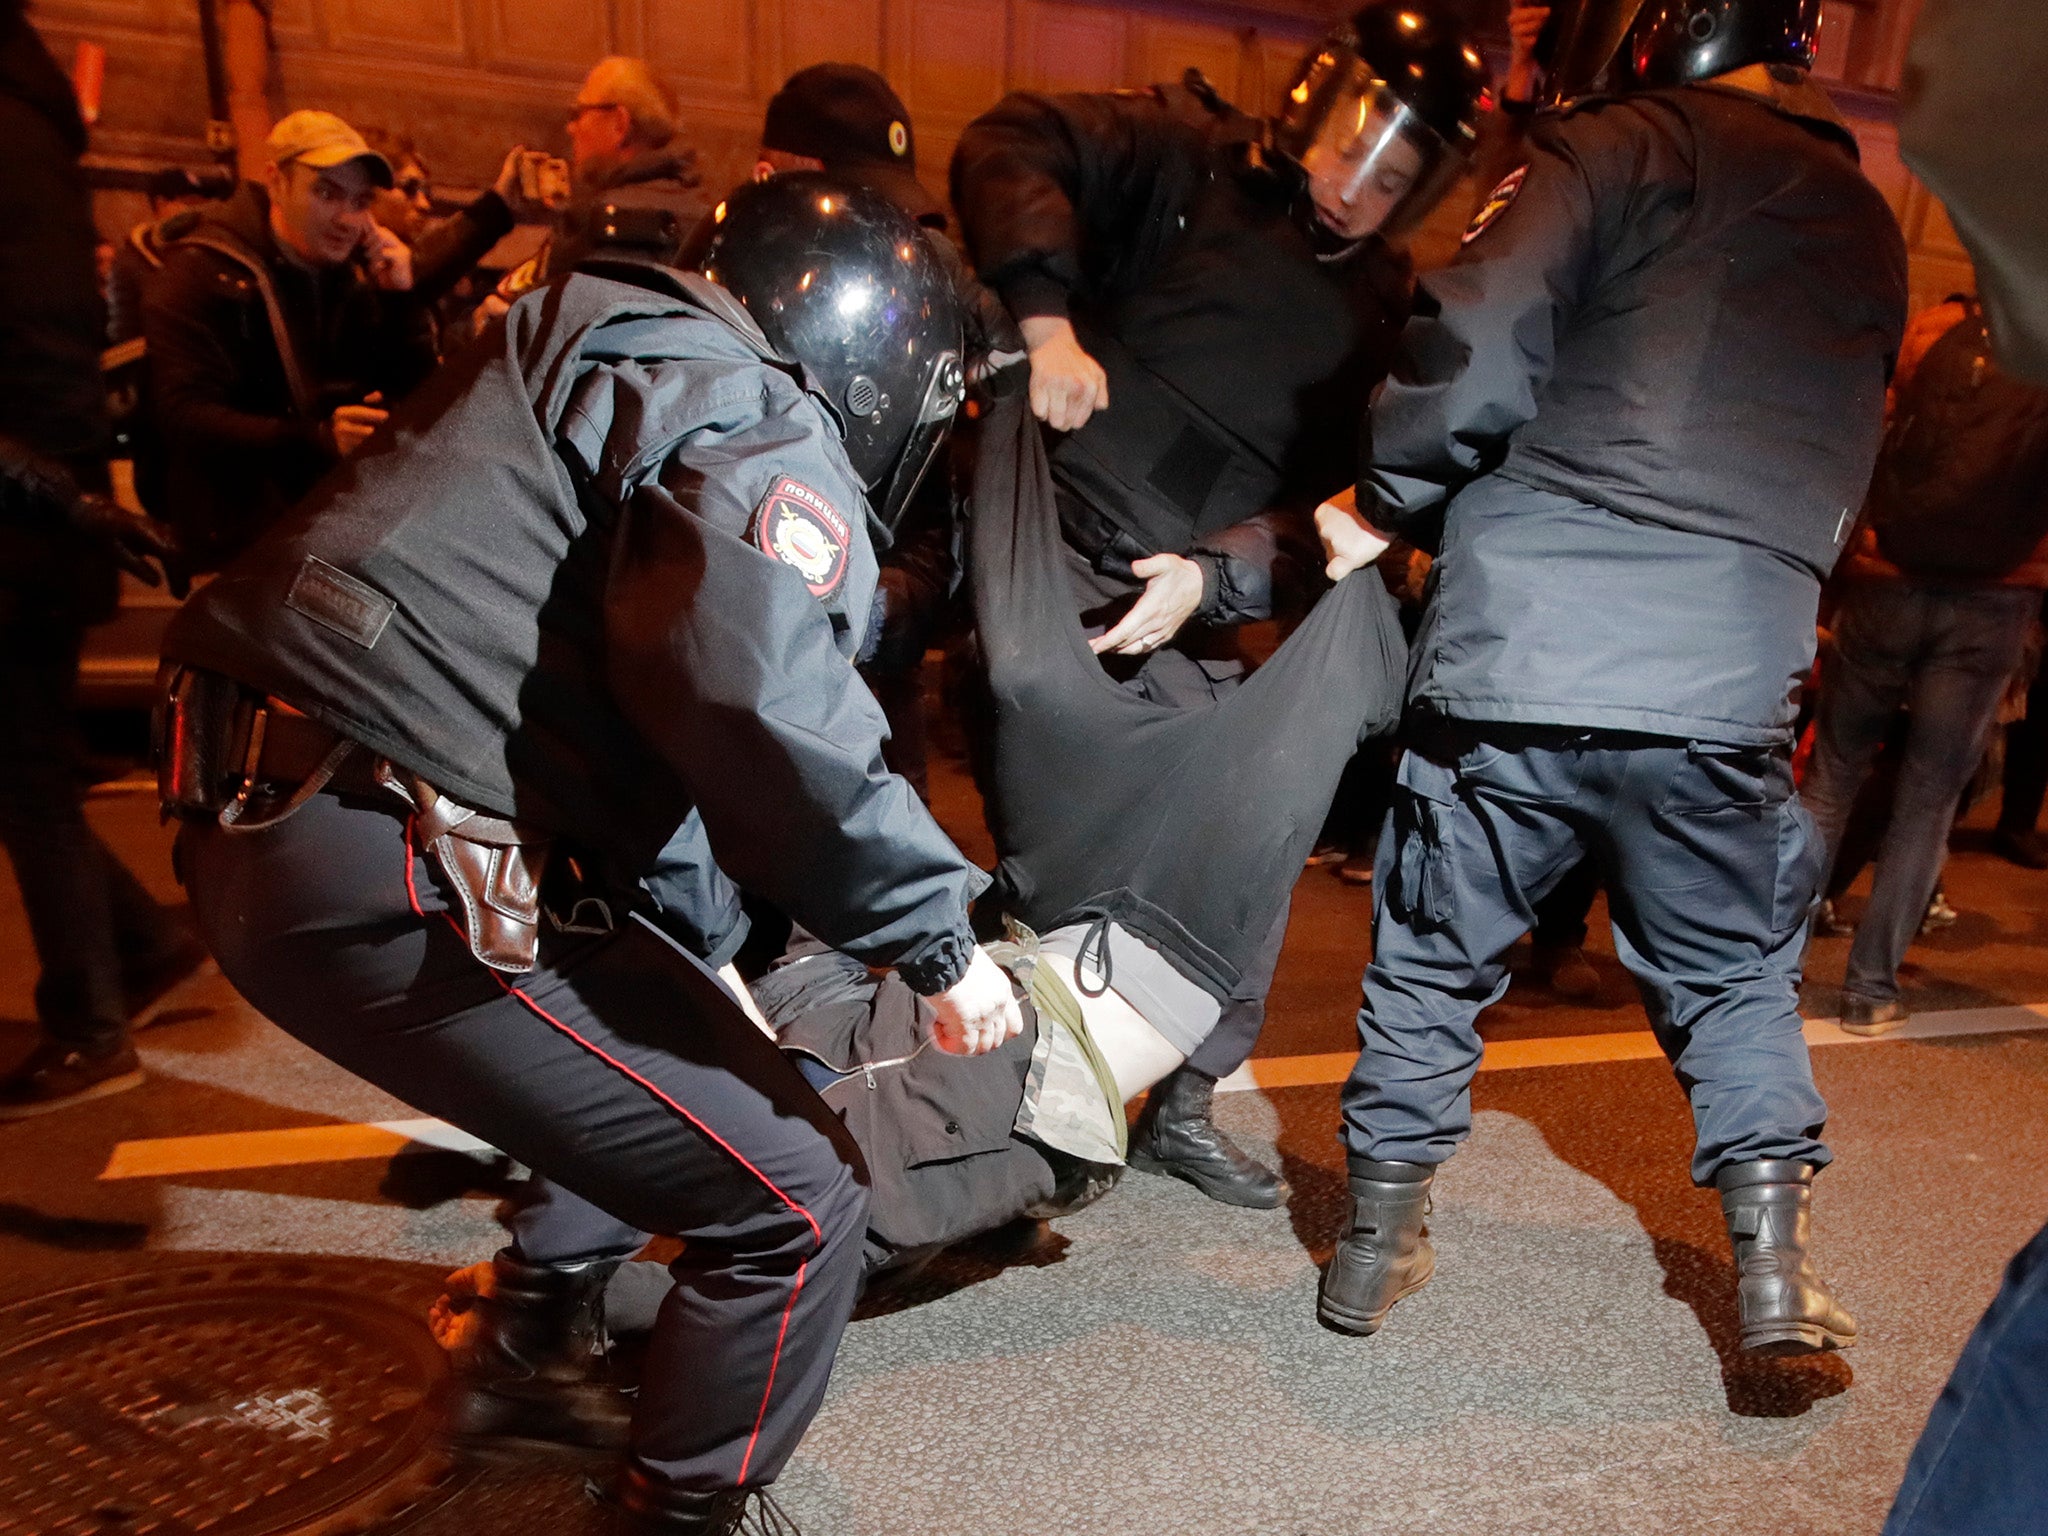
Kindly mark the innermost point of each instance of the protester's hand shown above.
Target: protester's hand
(1173, 591)
(1067, 385)
(145, 549)
(1349, 541)
(492, 307)
(454, 1319)
(351, 425)
(388, 258)
(1525, 25)
(978, 1012)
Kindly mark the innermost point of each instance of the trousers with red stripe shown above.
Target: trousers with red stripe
(618, 1068)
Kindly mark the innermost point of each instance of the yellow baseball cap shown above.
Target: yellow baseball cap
(323, 141)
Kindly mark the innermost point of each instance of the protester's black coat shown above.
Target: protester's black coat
(1649, 392)
(1187, 824)
(1238, 360)
(541, 589)
(241, 447)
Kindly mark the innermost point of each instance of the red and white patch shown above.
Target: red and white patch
(797, 526)
(1496, 204)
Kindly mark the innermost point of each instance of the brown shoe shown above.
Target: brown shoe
(56, 1075)
(1863, 1016)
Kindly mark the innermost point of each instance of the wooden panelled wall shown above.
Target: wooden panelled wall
(468, 78)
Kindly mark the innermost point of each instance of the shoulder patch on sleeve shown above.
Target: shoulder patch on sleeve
(1496, 204)
(799, 527)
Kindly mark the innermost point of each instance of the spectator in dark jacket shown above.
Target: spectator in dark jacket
(279, 328)
(1939, 629)
(622, 151)
(103, 943)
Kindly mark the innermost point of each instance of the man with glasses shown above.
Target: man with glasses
(280, 328)
(622, 154)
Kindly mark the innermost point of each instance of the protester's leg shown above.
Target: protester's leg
(1712, 866)
(1975, 643)
(1981, 1465)
(618, 1068)
(61, 869)
(1863, 681)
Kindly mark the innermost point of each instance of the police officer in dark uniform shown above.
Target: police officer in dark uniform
(1634, 419)
(456, 744)
(1208, 298)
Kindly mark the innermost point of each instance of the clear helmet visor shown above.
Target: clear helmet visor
(1373, 165)
(944, 388)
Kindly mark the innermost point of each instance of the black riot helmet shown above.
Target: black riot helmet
(1382, 115)
(840, 280)
(1621, 45)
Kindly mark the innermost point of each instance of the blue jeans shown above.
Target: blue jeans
(1981, 1467)
(1709, 864)
(1946, 653)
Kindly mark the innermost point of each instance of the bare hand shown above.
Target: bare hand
(1349, 541)
(351, 425)
(507, 184)
(1173, 591)
(1067, 385)
(389, 259)
(1525, 25)
(978, 1012)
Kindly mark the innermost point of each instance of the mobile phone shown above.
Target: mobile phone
(543, 178)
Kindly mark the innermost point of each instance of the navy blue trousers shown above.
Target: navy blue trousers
(1709, 863)
(619, 1069)
(1981, 1467)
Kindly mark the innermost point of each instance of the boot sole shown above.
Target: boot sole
(1870, 1031)
(1365, 1324)
(1794, 1339)
(106, 1088)
(1144, 1162)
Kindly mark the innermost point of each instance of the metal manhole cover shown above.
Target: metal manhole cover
(247, 1398)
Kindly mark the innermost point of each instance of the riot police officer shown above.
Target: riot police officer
(1634, 418)
(1208, 298)
(456, 744)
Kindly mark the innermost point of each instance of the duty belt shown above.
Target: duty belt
(249, 761)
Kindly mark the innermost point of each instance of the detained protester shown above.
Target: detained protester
(1208, 298)
(453, 745)
(1633, 418)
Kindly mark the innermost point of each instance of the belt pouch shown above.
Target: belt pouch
(197, 728)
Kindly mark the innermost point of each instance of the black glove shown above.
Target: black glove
(138, 545)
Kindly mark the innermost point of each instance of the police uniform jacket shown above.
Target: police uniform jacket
(1238, 355)
(1635, 416)
(605, 570)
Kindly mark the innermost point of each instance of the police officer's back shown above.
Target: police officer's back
(1633, 417)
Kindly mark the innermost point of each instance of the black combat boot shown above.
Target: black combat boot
(644, 1505)
(1175, 1135)
(1787, 1309)
(1386, 1253)
(535, 1373)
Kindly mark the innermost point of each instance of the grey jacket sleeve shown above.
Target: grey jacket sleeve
(722, 655)
(1483, 339)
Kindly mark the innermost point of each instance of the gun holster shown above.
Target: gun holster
(494, 865)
